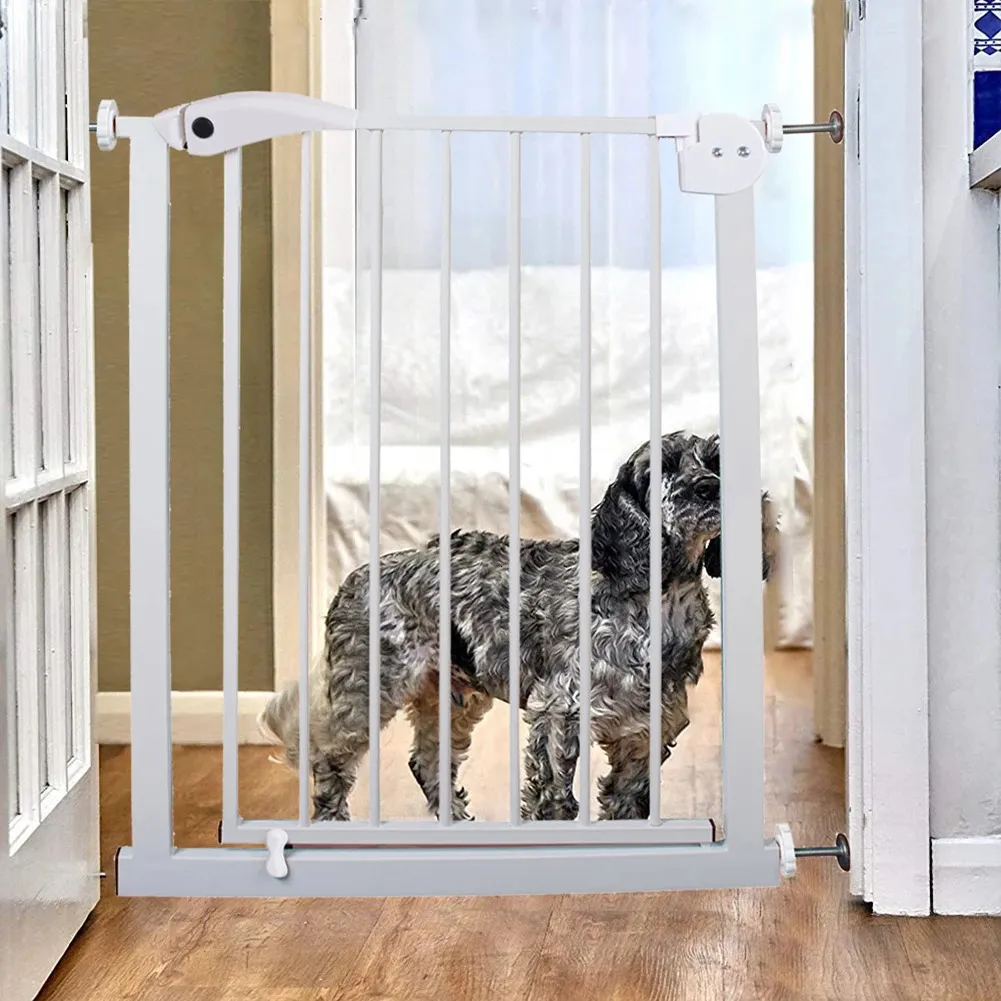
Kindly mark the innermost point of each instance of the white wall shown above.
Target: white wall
(963, 446)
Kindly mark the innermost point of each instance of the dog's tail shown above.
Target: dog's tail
(279, 724)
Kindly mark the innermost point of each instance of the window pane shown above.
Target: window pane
(23, 653)
(69, 421)
(78, 612)
(4, 69)
(10, 724)
(38, 62)
(72, 660)
(42, 664)
(73, 18)
(59, 90)
(55, 660)
(36, 190)
(27, 42)
(19, 33)
(6, 328)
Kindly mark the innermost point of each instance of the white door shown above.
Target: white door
(49, 859)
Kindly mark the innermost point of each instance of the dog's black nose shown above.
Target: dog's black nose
(707, 488)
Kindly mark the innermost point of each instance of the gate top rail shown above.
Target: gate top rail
(717, 153)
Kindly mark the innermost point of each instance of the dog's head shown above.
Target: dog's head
(689, 514)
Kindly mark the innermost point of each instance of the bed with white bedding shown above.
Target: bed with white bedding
(550, 403)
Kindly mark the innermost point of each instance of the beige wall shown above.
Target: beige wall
(149, 55)
(830, 673)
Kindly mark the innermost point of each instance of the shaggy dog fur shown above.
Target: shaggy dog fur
(620, 669)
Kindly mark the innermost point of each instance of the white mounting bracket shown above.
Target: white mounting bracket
(276, 840)
(727, 154)
(107, 120)
(771, 116)
(787, 850)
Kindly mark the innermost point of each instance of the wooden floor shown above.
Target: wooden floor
(806, 940)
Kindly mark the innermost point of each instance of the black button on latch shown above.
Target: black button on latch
(202, 128)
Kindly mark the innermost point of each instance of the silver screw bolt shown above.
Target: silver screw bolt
(743, 151)
(717, 152)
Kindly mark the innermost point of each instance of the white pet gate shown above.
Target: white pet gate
(718, 154)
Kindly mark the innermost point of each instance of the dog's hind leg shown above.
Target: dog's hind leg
(334, 764)
(550, 761)
(423, 715)
(339, 723)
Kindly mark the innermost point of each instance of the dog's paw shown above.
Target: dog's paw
(551, 809)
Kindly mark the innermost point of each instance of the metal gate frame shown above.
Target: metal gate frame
(722, 155)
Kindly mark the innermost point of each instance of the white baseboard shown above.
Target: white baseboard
(196, 717)
(966, 875)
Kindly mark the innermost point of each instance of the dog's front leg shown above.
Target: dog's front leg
(550, 760)
(624, 793)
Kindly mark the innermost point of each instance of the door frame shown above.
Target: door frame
(888, 780)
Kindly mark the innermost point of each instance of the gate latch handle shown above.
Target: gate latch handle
(276, 841)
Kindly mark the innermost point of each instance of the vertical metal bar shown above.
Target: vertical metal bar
(231, 278)
(445, 569)
(584, 766)
(740, 448)
(305, 463)
(514, 459)
(656, 479)
(149, 491)
(375, 446)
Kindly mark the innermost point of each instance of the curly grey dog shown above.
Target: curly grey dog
(549, 694)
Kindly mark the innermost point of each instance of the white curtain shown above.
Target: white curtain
(591, 57)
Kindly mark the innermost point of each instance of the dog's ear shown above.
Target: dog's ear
(769, 536)
(620, 527)
(710, 454)
(713, 559)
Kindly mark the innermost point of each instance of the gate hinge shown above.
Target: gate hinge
(276, 840)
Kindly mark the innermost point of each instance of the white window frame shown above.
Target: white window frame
(48, 497)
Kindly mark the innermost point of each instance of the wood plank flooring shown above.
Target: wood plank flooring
(803, 941)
